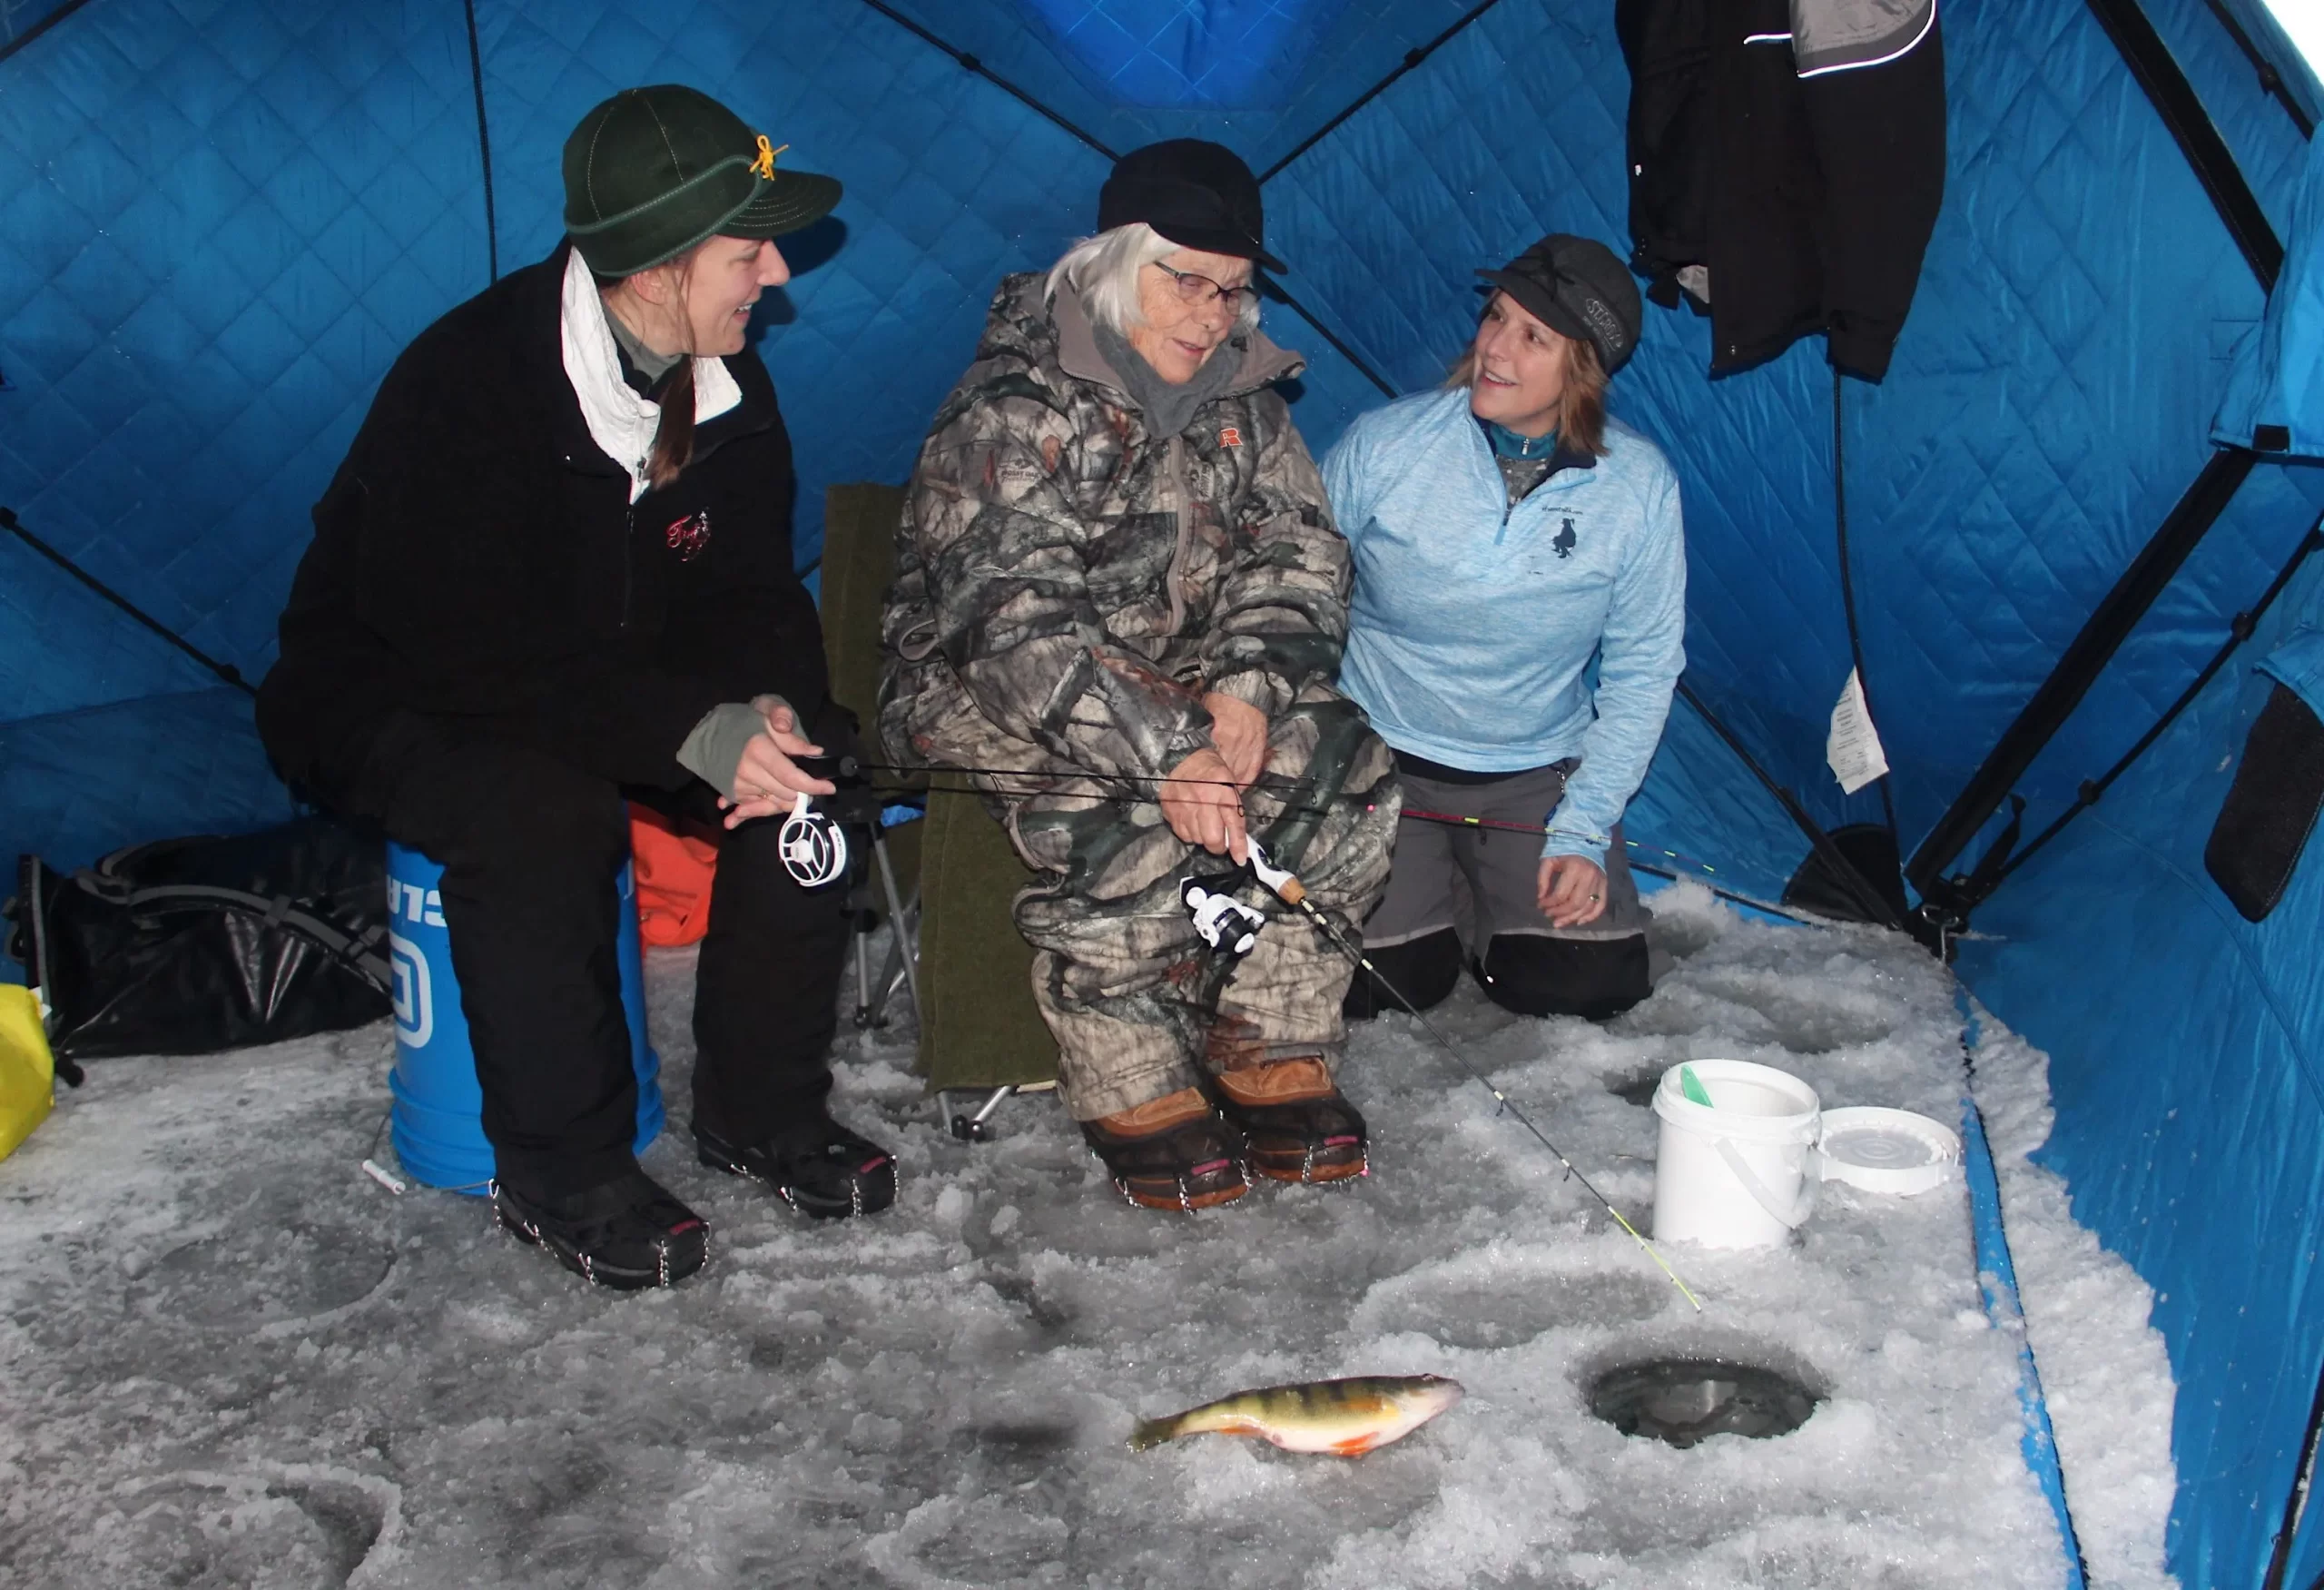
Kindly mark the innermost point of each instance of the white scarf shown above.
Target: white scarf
(620, 421)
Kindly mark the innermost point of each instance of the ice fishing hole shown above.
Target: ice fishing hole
(275, 1278)
(1637, 1090)
(1682, 1401)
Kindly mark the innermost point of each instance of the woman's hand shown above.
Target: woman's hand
(1239, 731)
(767, 783)
(1572, 891)
(1203, 805)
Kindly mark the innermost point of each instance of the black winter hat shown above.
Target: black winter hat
(652, 172)
(1579, 289)
(1198, 194)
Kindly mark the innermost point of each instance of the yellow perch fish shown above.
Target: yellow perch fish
(1345, 1417)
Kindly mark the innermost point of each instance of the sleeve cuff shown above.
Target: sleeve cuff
(712, 751)
(1254, 687)
(1589, 847)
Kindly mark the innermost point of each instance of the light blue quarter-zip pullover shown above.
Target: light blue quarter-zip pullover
(1473, 622)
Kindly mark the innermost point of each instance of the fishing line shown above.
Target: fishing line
(851, 764)
(1540, 831)
(1293, 892)
(846, 767)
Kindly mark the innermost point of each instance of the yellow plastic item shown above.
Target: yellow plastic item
(27, 1070)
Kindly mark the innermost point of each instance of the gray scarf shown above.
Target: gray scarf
(1169, 410)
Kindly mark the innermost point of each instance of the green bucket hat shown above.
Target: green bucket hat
(652, 172)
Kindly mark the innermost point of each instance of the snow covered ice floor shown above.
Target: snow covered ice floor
(230, 1359)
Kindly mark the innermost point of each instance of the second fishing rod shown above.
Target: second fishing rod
(1233, 930)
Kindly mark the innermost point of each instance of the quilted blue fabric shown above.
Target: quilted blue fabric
(2277, 380)
(19, 17)
(216, 228)
(1118, 70)
(218, 224)
(2191, 1114)
(185, 763)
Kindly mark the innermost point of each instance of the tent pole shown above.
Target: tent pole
(2189, 124)
(2296, 1503)
(1843, 870)
(2078, 667)
(226, 671)
(40, 27)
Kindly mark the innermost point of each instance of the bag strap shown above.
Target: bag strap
(360, 955)
(29, 910)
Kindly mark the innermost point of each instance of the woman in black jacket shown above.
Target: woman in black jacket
(555, 570)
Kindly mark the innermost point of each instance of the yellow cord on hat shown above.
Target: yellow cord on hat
(763, 166)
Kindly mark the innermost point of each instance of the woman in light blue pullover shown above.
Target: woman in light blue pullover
(1507, 534)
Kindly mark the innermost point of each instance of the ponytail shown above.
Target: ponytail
(674, 437)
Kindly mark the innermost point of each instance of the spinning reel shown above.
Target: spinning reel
(813, 845)
(1221, 921)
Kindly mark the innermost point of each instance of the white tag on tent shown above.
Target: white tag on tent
(1852, 748)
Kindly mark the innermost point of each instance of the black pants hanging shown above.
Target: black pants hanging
(530, 847)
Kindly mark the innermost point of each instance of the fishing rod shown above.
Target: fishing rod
(1540, 830)
(1288, 889)
(850, 766)
(812, 843)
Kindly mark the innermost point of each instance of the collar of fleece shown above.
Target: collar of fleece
(620, 421)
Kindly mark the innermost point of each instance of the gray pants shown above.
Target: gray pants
(1481, 886)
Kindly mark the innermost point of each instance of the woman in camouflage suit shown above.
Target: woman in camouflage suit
(1118, 568)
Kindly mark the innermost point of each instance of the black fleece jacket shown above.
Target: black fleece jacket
(1811, 198)
(476, 558)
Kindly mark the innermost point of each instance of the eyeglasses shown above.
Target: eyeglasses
(1199, 290)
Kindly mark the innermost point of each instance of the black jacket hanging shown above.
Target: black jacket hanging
(1795, 148)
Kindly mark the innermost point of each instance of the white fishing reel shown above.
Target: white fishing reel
(1221, 921)
(813, 847)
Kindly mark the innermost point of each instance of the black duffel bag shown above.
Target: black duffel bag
(187, 947)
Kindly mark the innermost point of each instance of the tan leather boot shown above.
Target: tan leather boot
(1299, 1126)
(1175, 1152)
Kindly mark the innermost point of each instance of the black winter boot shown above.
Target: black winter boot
(1300, 1126)
(1172, 1153)
(625, 1233)
(823, 1170)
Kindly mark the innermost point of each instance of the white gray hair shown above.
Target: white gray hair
(1103, 271)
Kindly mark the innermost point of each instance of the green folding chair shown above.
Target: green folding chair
(947, 881)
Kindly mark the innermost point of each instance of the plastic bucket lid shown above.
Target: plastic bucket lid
(1889, 1150)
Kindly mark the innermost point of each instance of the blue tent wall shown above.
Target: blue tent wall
(217, 225)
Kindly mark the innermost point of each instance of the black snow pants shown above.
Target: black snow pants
(530, 847)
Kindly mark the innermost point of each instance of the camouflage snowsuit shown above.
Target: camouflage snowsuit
(1069, 587)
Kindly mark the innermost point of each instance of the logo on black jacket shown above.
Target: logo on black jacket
(1563, 544)
(687, 537)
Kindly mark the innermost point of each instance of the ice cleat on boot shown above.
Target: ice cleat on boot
(1173, 1153)
(625, 1233)
(823, 1170)
(1299, 1126)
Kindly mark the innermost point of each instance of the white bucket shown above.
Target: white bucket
(1736, 1174)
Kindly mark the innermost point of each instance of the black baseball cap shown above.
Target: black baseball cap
(1579, 289)
(1196, 194)
(652, 172)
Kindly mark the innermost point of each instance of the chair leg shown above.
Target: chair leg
(864, 1009)
(971, 1129)
(900, 923)
(891, 980)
